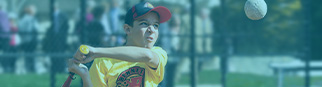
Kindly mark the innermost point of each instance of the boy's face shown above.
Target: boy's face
(144, 32)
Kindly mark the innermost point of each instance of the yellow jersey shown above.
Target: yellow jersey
(107, 72)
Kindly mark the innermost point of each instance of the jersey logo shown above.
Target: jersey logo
(133, 77)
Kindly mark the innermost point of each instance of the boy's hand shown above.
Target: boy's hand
(77, 68)
(84, 54)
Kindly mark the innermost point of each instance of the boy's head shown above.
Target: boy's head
(142, 23)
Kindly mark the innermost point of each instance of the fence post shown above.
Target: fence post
(306, 4)
(193, 60)
(51, 15)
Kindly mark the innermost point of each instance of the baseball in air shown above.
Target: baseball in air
(255, 9)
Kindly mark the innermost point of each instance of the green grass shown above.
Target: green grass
(34, 80)
(205, 77)
(248, 80)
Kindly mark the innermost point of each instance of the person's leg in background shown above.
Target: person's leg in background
(29, 49)
(5, 49)
(1, 49)
(11, 61)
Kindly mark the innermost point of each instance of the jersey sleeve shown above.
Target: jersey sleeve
(98, 72)
(158, 73)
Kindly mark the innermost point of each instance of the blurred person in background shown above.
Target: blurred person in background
(95, 31)
(117, 40)
(4, 29)
(8, 63)
(15, 41)
(4, 33)
(89, 15)
(80, 27)
(204, 33)
(185, 30)
(171, 68)
(28, 26)
(55, 39)
(106, 24)
(185, 42)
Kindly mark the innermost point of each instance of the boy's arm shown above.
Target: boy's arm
(86, 81)
(129, 53)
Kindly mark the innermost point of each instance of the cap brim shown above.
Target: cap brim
(163, 12)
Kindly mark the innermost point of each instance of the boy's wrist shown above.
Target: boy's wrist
(97, 52)
(93, 50)
(84, 75)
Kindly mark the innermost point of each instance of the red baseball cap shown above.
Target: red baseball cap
(143, 8)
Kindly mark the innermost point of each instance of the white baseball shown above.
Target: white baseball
(255, 9)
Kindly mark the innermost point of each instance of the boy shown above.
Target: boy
(136, 64)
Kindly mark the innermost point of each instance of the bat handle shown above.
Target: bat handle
(69, 79)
